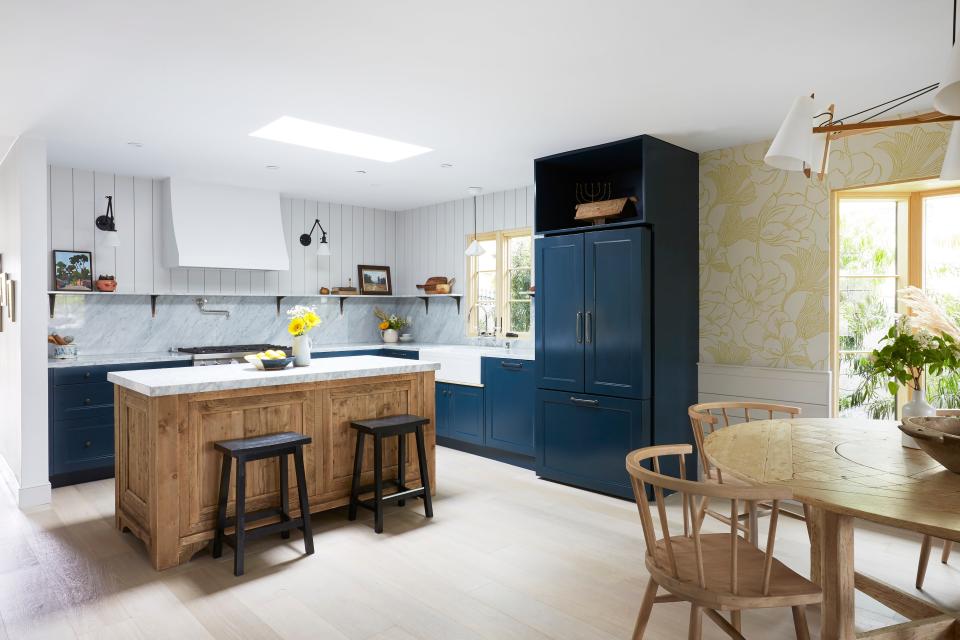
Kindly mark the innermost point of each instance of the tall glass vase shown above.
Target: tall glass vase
(918, 407)
(301, 351)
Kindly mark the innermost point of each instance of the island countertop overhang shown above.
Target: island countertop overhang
(168, 382)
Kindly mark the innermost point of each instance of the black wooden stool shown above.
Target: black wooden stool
(279, 445)
(381, 428)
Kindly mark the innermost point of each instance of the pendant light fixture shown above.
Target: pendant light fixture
(108, 225)
(798, 148)
(323, 247)
(475, 249)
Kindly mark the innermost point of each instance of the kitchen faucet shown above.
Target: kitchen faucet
(486, 321)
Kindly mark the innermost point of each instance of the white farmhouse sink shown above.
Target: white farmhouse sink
(459, 366)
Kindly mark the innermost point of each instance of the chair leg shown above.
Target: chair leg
(222, 506)
(304, 501)
(240, 527)
(736, 619)
(947, 547)
(424, 473)
(800, 622)
(646, 606)
(355, 483)
(377, 484)
(401, 465)
(808, 519)
(924, 558)
(284, 494)
(695, 631)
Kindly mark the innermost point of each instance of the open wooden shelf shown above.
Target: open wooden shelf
(456, 297)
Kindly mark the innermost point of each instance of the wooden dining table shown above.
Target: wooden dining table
(846, 469)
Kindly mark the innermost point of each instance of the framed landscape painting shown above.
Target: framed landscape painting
(374, 280)
(72, 270)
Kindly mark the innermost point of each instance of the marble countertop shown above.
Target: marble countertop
(118, 358)
(165, 356)
(167, 382)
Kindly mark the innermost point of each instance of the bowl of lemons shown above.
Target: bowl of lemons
(269, 360)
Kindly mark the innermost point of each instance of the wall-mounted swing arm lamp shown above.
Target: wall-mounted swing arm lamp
(323, 247)
(108, 224)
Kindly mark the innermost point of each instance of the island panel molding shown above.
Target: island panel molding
(168, 472)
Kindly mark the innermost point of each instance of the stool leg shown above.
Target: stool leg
(424, 473)
(284, 494)
(240, 527)
(377, 483)
(401, 465)
(222, 506)
(355, 483)
(304, 503)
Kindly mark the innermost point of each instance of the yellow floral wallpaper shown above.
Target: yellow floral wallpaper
(764, 243)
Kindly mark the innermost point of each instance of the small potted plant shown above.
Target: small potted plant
(106, 284)
(390, 325)
(927, 340)
(302, 320)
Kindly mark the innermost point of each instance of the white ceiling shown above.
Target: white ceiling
(489, 85)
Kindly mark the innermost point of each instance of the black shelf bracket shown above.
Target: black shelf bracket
(279, 300)
(153, 304)
(53, 303)
(426, 302)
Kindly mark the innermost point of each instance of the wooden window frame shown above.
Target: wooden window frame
(909, 234)
(502, 300)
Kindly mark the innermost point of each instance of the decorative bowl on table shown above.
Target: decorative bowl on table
(938, 436)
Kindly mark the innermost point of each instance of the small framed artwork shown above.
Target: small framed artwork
(374, 280)
(72, 270)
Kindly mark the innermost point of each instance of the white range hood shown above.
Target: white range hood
(221, 227)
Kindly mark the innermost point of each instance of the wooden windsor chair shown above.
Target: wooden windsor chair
(705, 418)
(713, 572)
(928, 540)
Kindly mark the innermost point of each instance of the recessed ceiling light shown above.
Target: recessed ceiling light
(445, 165)
(135, 144)
(272, 167)
(326, 138)
(360, 171)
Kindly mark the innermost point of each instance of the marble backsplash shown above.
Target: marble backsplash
(103, 324)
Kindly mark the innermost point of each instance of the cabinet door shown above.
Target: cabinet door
(583, 440)
(617, 312)
(508, 401)
(466, 413)
(442, 412)
(559, 312)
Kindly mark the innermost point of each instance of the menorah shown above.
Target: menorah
(593, 191)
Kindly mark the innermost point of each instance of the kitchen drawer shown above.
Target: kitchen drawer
(79, 400)
(345, 353)
(63, 376)
(85, 447)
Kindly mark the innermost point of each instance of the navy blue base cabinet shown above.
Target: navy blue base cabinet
(81, 421)
(407, 354)
(583, 439)
(508, 401)
(459, 412)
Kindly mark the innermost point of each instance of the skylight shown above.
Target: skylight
(334, 139)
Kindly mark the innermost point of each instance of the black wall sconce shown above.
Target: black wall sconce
(323, 247)
(108, 224)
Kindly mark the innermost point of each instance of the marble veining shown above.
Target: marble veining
(117, 358)
(167, 382)
(122, 325)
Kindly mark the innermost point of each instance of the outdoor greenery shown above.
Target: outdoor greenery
(906, 353)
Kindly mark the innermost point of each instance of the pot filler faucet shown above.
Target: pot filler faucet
(202, 303)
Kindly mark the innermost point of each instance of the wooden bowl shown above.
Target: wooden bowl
(938, 436)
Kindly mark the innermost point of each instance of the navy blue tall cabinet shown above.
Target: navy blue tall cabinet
(616, 310)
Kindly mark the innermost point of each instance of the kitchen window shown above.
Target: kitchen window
(886, 240)
(499, 284)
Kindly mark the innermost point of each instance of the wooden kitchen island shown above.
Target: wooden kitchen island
(166, 421)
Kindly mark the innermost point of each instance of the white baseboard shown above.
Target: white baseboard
(27, 497)
(809, 390)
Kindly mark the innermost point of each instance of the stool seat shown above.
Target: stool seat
(278, 445)
(390, 425)
(261, 444)
(400, 426)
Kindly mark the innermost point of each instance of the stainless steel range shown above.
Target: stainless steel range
(226, 354)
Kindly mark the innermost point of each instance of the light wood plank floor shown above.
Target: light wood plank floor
(507, 556)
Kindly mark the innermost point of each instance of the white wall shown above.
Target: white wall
(23, 358)
(358, 235)
(431, 240)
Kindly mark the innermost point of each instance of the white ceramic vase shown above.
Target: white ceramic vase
(389, 335)
(918, 407)
(301, 350)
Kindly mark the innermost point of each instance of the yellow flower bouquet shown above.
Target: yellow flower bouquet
(302, 320)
